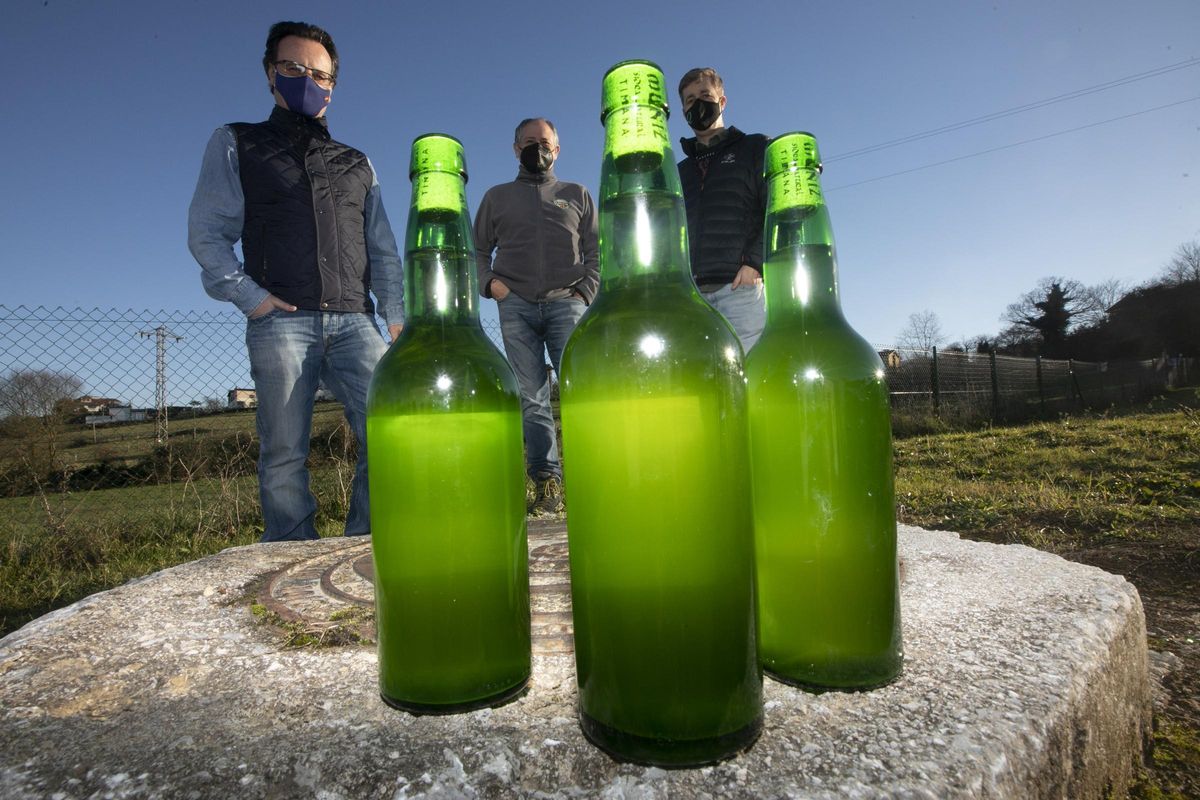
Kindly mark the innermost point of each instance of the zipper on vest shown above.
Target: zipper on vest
(539, 215)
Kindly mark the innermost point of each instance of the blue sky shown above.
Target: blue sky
(109, 105)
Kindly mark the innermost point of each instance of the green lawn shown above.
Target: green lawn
(81, 445)
(1057, 485)
(67, 546)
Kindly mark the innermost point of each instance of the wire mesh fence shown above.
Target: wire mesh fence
(114, 353)
(114, 419)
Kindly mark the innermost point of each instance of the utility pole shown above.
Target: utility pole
(160, 334)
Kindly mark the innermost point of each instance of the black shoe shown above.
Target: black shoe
(530, 494)
(549, 495)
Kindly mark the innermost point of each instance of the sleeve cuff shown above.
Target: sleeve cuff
(249, 296)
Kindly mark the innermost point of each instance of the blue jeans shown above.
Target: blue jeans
(530, 331)
(290, 354)
(746, 309)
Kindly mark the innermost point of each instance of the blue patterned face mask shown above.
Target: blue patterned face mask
(302, 94)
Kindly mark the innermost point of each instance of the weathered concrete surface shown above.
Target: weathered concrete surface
(1026, 676)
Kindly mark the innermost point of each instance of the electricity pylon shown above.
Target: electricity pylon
(160, 334)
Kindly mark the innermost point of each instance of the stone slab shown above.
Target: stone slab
(1025, 676)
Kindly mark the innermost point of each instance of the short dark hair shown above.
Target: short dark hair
(700, 74)
(281, 30)
(524, 122)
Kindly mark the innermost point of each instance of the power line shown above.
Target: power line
(1014, 144)
(1100, 87)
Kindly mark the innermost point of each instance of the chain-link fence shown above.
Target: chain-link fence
(116, 419)
(114, 354)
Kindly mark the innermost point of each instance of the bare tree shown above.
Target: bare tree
(923, 332)
(1096, 300)
(1184, 266)
(981, 343)
(1014, 337)
(33, 406)
(36, 393)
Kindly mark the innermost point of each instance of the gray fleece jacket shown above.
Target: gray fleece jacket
(543, 234)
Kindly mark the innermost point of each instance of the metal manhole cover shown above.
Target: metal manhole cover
(336, 588)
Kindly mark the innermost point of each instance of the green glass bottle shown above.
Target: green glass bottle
(447, 472)
(654, 445)
(821, 454)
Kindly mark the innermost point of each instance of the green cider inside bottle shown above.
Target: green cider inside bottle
(821, 455)
(661, 544)
(447, 474)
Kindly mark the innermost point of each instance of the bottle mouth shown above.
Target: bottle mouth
(635, 82)
(437, 152)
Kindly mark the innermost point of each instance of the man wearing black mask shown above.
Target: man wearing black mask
(536, 248)
(726, 198)
(316, 243)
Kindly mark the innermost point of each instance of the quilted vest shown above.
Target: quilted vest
(303, 233)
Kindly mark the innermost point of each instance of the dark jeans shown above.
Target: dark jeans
(530, 331)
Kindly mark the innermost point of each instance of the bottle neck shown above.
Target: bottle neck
(440, 280)
(439, 269)
(643, 221)
(800, 267)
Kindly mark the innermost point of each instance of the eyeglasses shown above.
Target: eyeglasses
(294, 69)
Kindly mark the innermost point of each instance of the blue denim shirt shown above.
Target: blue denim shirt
(215, 224)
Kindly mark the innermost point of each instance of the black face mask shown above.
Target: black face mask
(702, 114)
(536, 158)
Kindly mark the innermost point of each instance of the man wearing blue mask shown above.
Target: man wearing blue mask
(726, 198)
(316, 243)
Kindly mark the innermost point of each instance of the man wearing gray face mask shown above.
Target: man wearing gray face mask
(726, 198)
(537, 256)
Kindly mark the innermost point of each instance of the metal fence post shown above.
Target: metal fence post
(995, 388)
(1041, 389)
(933, 381)
(1075, 382)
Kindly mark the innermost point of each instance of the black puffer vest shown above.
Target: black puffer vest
(726, 199)
(303, 234)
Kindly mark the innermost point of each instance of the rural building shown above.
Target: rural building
(76, 408)
(242, 398)
(90, 404)
(116, 413)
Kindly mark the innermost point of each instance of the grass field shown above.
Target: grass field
(1120, 491)
(59, 546)
(85, 445)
